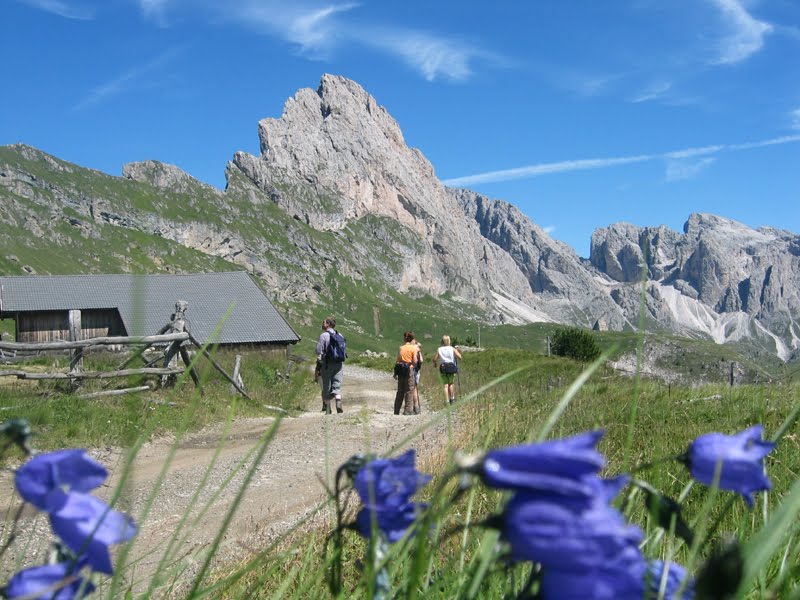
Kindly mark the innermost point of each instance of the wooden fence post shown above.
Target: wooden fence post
(76, 361)
(178, 325)
(237, 376)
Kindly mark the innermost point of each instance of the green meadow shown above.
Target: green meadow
(508, 396)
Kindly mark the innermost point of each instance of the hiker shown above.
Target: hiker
(417, 371)
(446, 357)
(404, 373)
(329, 371)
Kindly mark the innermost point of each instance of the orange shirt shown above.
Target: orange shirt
(407, 354)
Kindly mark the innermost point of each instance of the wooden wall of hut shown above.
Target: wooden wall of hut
(53, 326)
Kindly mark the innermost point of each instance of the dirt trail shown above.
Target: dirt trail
(286, 485)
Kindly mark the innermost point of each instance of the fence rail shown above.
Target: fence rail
(173, 335)
(99, 341)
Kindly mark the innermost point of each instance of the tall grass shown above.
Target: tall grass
(508, 397)
(60, 419)
(454, 560)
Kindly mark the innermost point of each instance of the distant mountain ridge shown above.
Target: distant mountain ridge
(336, 190)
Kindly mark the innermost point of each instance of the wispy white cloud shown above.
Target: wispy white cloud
(678, 170)
(746, 37)
(795, 117)
(546, 169)
(786, 139)
(693, 152)
(154, 10)
(125, 81)
(63, 9)
(654, 91)
(434, 57)
(315, 29)
(318, 29)
(672, 157)
(549, 229)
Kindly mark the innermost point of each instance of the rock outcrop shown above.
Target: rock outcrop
(719, 277)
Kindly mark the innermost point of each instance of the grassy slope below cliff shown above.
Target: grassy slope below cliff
(49, 224)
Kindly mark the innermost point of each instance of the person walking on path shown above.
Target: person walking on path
(328, 372)
(404, 373)
(417, 372)
(446, 359)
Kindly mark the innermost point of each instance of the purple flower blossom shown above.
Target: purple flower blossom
(391, 522)
(385, 487)
(45, 479)
(559, 537)
(557, 467)
(88, 526)
(675, 575)
(741, 457)
(618, 579)
(49, 582)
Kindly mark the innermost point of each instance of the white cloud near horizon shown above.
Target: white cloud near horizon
(604, 163)
(746, 37)
(125, 81)
(62, 9)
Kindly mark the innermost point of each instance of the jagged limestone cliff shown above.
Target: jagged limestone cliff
(336, 192)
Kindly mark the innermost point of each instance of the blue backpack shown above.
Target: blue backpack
(337, 348)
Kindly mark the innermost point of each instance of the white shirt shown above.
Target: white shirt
(447, 354)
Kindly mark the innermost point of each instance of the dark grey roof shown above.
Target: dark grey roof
(145, 302)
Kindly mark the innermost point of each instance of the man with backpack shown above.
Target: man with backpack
(407, 358)
(331, 353)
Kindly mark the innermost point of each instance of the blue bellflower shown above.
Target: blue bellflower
(741, 457)
(675, 575)
(49, 582)
(563, 467)
(88, 526)
(620, 578)
(556, 536)
(45, 479)
(385, 486)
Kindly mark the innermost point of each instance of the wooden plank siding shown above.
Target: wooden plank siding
(53, 326)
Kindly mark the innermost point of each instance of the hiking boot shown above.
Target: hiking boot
(339, 408)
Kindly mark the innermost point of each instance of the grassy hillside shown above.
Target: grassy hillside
(59, 218)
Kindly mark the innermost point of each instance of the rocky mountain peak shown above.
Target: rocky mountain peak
(356, 199)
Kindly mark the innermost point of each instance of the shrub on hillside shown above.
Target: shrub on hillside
(575, 343)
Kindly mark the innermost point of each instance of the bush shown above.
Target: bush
(575, 343)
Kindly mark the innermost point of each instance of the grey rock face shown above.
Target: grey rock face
(335, 156)
(724, 265)
(553, 272)
(162, 175)
(621, 251)
(335, 167)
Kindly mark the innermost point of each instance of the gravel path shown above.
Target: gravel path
(286, 484)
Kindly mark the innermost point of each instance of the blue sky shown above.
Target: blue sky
(580, 112)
